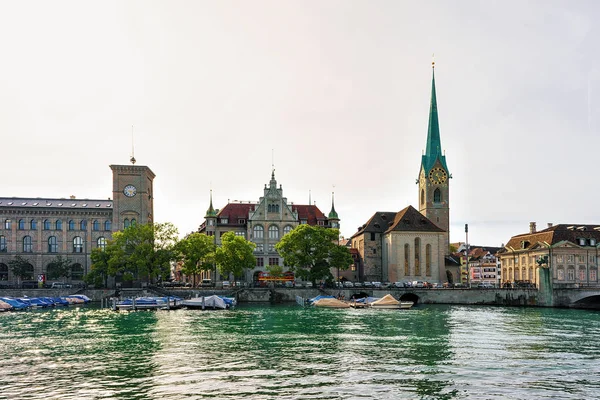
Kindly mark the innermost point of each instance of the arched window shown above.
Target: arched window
(27, 244)
(269, 208)
(273, 232)
(422, 196)
(101, 243)
(126, 223)
(58, 225)
(258, 232)
(95, 225)
(2, 244)
(21, 224)
(437, 196)
(107, 225)
(76, 272)
(3, 272)
(406, 259)
(417, 256)
(82, 225)
(133, 222)
(71, 225)
(33, 224)
(287, 229)
(52, 245)
(77, 245)
(7, 224)
(428, 260)
(47, 225)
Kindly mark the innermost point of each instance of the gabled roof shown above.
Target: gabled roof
(410, 220)
(555, 234)
(235, 211)
(407, 220)
(311, 213)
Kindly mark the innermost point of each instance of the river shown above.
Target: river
(290, 352)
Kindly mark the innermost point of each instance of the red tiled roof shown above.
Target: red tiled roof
(310, 213)
(235, 211)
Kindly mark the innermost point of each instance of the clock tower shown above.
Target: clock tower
(434, 176)
(133, 198)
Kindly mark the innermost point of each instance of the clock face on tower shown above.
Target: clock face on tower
(129, 191)
(437, 176)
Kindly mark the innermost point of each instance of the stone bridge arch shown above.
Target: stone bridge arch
(410, 296)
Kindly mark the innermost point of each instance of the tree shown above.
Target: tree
(21, 267)
(142, 251)
(98, 276)
(59, 268)
(311, 251)
(197, 252)
(235, 255)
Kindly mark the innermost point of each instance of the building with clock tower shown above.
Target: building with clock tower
(434, 175)
(132, 195)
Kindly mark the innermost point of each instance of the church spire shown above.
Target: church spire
(211, 211)
(333, 214)
(433, 148)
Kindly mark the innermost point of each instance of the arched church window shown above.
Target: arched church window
(417, 256)
(428, 260)
(437, 196)
(406, 259)
(422, 196)
(259, 232)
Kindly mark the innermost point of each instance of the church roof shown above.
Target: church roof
(433, 148)
(556, 234)
(408, 220)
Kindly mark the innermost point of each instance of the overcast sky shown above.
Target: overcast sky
(338, 90)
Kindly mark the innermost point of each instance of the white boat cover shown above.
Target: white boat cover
(331, 303)
(213, 301)
(386, 300)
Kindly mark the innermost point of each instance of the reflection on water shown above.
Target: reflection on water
(289, 352)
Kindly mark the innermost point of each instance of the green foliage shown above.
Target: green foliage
(59, 268)
(197, 253)
(138, 252)
(275, 271)
(235, 255)
(20, 267)
(311, 251)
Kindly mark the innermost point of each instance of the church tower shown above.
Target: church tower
(133, 199)
(434, 175)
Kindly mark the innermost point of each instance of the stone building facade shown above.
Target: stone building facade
(40, 229)
(411, 244)
(570, 251)
(264, 222)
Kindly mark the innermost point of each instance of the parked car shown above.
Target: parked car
(377, 285)
(226, 284)
(206, 283)
(357, 284)
(348, 284)
(418, 284)
(368, 284)
(308, 284)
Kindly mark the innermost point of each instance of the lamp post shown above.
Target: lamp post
(467, 255)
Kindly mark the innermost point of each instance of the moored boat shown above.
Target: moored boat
(4, 306)
(213, 302)
(331, 303)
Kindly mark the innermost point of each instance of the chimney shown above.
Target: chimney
(72, 197)
(532, 227)
(549, 224)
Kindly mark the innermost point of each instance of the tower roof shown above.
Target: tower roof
(211, 211)
(333, 214)
(433, 149)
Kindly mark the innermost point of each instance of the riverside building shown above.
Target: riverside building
(409, 244)
(40, 229)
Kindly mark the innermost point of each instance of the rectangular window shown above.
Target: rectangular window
(241, 221)
(571, 274)
(303, 221)
(260, 262)
(581, 258)
(271, 247)
(374, 251)
(561, 274)
(592, 259)
(593, 275)
(273, 261)
(570, 258)
(560, 259)
(259, 247)
(372, 235)
(321, 223)
(240, 233)
(581, 274)
(224, 220)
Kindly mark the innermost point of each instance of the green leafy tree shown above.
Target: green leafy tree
(197, 254)
(60, 267)
(142, 251)
(21, 268)
(311, 252)
(235, 255)
(98, 276)
(276, 271)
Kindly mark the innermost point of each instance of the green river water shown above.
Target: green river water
(290, 352)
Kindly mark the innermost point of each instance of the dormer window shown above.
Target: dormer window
(303, 221)
(224, 220)
(581, 241)
(241, 221)
(592, 242)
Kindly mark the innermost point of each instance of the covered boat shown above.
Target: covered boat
(389, 302)
(331, 303)
(4, 306)
(213, 302)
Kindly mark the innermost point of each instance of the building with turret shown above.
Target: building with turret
(264, 222)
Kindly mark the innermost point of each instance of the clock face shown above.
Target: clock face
(129, 191)
(437, 176)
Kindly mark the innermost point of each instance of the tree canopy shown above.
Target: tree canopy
(21, 267)
(197, 254)
(60, 267)
(311, 251)
(235, 255)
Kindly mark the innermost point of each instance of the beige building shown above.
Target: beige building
(40, 229)
(570, 251)
(264, 222)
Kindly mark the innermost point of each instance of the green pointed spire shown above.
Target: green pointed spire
(433, 149)
(333, 214)
(211, 211)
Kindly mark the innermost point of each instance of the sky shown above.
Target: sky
(334, 94)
